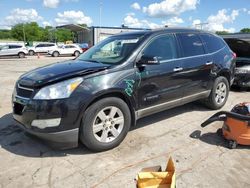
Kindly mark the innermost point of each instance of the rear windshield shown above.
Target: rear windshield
(240, 46)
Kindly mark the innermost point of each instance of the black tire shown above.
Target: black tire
(87, 135)
(55, 54)
(31, 52)
(211, 102)
(76, 53)
(232, 144)
(21, 55)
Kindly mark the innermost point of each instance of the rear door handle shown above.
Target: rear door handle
(209, 63)
(178, 69)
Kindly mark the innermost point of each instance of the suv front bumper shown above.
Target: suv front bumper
(64, 135)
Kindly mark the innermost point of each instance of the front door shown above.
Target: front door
(160, 85)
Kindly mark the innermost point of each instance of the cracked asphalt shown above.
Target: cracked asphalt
(26, 161)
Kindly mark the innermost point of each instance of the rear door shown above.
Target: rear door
(160, 85)
(196, 65)
(14, 49)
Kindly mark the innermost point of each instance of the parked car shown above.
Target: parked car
(241, 47)
(99, 95)
(84, 46)
(13, 50)
(42, 48)
(67, 49)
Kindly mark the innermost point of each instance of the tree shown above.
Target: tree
(222, 32)
(63, 35)
(245, 30)
(27, 31)
(5, 34)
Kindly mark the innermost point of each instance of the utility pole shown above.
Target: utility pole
(24, 38)
(100, 22)
(201, 25)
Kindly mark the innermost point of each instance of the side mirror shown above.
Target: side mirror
(147, 60)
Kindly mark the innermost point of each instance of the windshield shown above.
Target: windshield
(113, 50)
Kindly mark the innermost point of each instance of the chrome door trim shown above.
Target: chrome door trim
(170, 104)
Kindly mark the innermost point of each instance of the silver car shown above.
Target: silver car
(13, 50)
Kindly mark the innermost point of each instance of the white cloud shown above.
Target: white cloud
(244, 10)
(71, 16)
(173, 21)
(51, 3)
(170, 7)
(46, 23)
(22, 15)
(132, 21)
(216, 22)
(195, 23)
(136, 6)
(248, 12)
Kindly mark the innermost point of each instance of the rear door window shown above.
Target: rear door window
(213, 43)
(191, 44)
(14, 46)
(162, 47)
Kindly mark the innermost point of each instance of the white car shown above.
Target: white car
(42, 48)
(67, 49)
(13, 50)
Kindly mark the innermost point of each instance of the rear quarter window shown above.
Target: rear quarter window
(213, 43)
(191, 44)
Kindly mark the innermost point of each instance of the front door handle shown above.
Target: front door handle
(178, 69)
(209, 63)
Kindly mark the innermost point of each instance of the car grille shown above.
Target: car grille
(24, 92)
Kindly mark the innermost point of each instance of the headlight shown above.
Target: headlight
(60, 90)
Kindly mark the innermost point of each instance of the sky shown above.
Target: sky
(216, 15)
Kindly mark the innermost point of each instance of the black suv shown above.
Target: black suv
(241, 46)
(100, 94)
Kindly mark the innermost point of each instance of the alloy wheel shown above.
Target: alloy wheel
(108, 124)
(220, 93)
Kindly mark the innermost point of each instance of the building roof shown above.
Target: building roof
(237, 35)
(73, 27)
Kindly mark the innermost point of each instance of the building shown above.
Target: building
(94, 34)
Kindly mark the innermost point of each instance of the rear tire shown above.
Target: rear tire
(219, 94)
(76, 53)
(55, 54)
(21, 55)
(105, 124)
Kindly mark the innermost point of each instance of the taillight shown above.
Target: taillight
(234, 55)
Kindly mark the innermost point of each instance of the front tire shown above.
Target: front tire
(219, 94)
(31, 53)
(105, 124)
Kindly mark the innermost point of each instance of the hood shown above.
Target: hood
(58, 72)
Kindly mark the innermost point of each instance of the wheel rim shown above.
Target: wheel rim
(220, 93)
(108, 124)
(76, 53)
